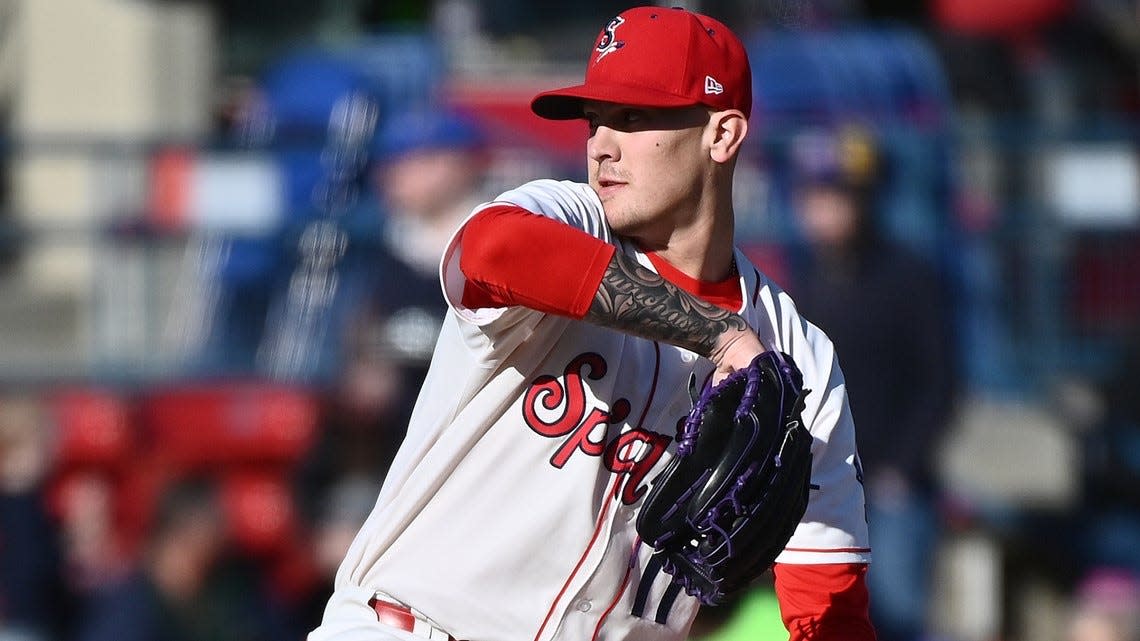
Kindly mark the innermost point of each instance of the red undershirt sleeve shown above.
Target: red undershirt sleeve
(513, 257)
(826, 602)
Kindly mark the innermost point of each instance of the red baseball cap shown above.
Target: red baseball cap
(659, 57)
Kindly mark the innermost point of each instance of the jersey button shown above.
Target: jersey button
(584, 606)
(688, 356)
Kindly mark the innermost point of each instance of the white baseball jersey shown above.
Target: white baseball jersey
(509, 511)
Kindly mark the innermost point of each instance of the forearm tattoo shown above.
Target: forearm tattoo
(637, 301)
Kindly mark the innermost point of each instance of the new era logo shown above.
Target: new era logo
(712, 86)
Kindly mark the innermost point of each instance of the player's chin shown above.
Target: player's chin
(622, 223)
(615, 217)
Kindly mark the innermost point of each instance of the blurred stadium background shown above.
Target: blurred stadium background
(179, 180)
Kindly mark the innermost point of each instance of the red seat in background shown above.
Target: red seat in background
(210, 426)
(246, 435)
(260, 511)
(93, 428)
(93, 440)
(94, 445)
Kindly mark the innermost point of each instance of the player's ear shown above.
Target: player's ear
(728, 129)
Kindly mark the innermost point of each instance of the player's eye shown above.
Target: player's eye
(627, 119)
(633, 119)
(591, 121)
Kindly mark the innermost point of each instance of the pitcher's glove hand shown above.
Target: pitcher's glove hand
(725, 506)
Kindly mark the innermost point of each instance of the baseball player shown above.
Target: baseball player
(578, 313)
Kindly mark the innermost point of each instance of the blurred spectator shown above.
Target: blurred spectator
(1106, 607)
(31, 586)
(428, 171)
(884, 308)
(427, 174)
(371, 197)
(94, 549)
(185, 588)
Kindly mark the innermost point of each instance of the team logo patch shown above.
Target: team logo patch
(609, 42)
(712, 86)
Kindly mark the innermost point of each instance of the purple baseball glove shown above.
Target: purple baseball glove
(725, 506)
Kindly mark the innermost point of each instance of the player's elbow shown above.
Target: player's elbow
(488, 245)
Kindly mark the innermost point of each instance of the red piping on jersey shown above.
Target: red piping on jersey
(614, 495)
(827, 550)
(621, 590)
(593, 539)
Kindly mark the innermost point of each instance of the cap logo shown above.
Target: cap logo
(712, 86)
(609, 42)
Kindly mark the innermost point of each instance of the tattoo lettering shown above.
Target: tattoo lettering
(637, 301)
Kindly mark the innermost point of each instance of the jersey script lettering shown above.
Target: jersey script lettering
(559, 407)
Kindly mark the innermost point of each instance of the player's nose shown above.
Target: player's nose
(602, 145)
